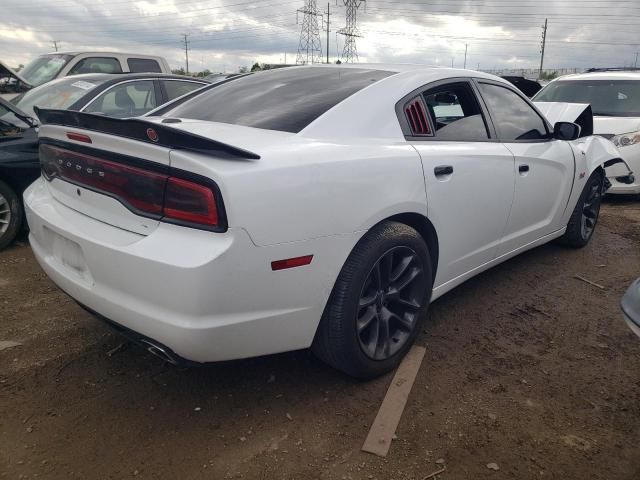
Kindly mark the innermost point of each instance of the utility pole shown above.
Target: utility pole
(452, 62)
(466, 46)
(309, 48)
(186, 50)
(329, 22)
(635, 65)
(544, 43)
(55, 44)
(350, 31)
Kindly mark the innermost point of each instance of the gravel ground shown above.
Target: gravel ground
(526, 368)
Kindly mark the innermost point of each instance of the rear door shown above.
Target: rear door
(544, 166)
(469, 175)
(175, 88)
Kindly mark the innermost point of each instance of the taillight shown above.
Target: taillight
(417, 118)
(190, 202)
(161, 195)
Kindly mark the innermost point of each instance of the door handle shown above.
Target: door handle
(523, 168)
(442, 170)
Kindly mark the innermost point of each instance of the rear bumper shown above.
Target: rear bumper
(206, 296)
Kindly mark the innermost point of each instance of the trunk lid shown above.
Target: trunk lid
(80, 152)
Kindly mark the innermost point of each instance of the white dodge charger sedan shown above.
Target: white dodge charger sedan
(321, 207)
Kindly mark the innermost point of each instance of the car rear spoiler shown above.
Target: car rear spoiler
(143, 131)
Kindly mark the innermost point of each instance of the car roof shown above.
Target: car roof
(117, 77)
(90, 52)
(611, 75)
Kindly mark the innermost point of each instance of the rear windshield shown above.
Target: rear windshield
(608, 98)
(286, 99)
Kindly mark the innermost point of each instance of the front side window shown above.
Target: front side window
(608, 98)
(44, 68)
(177, 88)
(286, 99)
(129, 99)
(514, 118)
(96, 65)
(143, 65)
(455, 113)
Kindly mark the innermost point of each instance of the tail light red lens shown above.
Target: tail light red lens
(146, 192)
(190, 202)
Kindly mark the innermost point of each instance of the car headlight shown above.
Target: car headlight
(626, 139)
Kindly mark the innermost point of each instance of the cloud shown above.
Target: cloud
(226, 34)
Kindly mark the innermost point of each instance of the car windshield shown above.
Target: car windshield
(608, 98)
(44, 68)
(286, 99)
(60, 94)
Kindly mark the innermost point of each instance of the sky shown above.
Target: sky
(227, 34)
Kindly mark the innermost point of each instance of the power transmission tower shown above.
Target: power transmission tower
(309, 48)
(55, 44)
(350, 31)
(186, 50)
(543, 44)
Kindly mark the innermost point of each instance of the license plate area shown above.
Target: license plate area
(67, 255)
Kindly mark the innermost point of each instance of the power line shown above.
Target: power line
(309, 47)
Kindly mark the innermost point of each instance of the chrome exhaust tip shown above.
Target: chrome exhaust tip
(159, 351)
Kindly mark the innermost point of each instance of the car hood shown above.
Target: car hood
(561, 111)
(6, 74)
(615, 125)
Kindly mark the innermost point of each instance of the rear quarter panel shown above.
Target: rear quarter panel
(313, 189)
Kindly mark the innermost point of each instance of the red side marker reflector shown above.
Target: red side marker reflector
(291, 262)
(79, 137)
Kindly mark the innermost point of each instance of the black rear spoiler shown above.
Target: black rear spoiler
(143, 131)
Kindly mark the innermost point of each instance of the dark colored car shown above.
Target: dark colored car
(526, 86)
(104, 94)
(631, 307)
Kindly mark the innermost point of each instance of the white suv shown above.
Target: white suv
(47, 67)
(614, 96)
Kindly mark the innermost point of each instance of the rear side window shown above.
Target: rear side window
(514, 118)
(143, 65)
(130, 99)
(96, 65)
(177, 88)
(286, 99)
(456, 113)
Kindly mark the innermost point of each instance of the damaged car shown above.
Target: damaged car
(314, 206)
(614, 96)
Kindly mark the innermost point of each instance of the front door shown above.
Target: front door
(544, 167)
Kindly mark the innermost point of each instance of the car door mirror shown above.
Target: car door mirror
(566, 131)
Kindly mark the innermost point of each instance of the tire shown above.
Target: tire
(382, 292)
(11, 214)
(585, 214)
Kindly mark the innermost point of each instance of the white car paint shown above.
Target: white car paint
(604, 125)
(213, 296)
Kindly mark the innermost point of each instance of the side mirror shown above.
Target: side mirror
(566, 131)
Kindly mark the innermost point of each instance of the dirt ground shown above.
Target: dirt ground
(526, 367)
